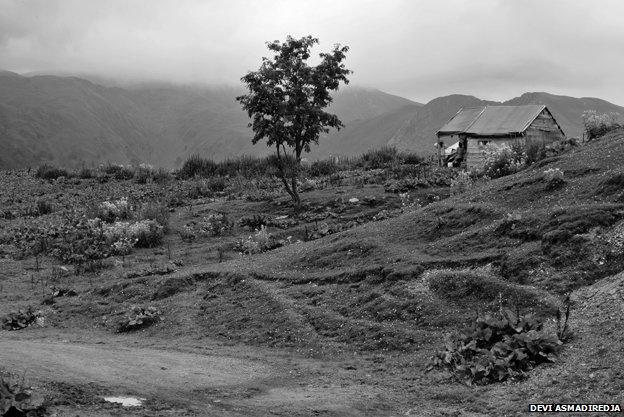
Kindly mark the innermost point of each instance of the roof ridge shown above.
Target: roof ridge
(476, 118)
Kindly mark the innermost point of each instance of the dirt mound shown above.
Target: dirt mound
(613, 186)
(480, 288)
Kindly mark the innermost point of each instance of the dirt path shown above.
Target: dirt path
(188, 383)
(168, 375)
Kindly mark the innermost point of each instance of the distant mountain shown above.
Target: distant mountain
(359, 136)
(418, 133)
(69, 121)
(567, 110)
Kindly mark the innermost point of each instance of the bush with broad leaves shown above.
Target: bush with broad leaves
(498, 348)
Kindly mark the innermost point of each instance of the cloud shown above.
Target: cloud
(419, 49)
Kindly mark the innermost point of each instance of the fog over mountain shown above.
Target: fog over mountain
(494, 49)
(71, 121)
(144, 81)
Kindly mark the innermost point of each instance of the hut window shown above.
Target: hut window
(483, 142)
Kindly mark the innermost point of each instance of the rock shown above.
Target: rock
(354, 200)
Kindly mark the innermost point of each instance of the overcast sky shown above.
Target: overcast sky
(420, 49)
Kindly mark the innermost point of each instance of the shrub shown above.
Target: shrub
(146, 233)
(379, 158)
(246, 166)
(161, 175)
(119, 172)
(500, 347)
(154, 210)
(253, 222)
(18, 320)
(322, 168)
(461, 182)
(261, 241)
(214, 225)
(196, 166)
(217, 224)
(216, 184)
(554, 177)
(17, 400)
(50, 172)
(109, 211)
(142, 175)
(501, 160)
(411, 158)
(139, 318)
(43, 207)
(123, 246)
(86, 173)
(597, 125)
(535, 151)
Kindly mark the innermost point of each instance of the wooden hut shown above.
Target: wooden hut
(476, 127)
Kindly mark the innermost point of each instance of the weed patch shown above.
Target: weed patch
(139, 318)
(500, 347)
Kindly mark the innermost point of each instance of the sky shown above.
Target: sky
(419, 49)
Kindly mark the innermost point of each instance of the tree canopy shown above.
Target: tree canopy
(287, 97)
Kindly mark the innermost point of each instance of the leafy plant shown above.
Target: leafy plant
(502, 160)
(379, 158)
(322, 168)
(461, 183)
(554, 178)
(119, 172)
(18, 320)
(253, 222)
(43, 207)
(261, 241)
(154, 210)
(19, 400)
(50, 172)
(218, 224)
(499, 347)
(145, 233)
(139, 318)
(109, 211)
(597, 125)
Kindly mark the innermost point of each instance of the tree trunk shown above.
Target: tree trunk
(291, 188)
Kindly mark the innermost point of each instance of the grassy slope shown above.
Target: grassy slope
(361, 290)
(419, 131)
(69, 120)
(462, 229)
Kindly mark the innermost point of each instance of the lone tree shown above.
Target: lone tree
(286, 102)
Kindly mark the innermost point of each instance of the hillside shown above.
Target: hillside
(360, 135)
(338, 316)
(419, 131)
(567, 110)
(68, 121)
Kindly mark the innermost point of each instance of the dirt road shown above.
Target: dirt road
(152, 373)
(147, 370)
(189, 383)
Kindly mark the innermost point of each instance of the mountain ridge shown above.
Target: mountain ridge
(71, 121)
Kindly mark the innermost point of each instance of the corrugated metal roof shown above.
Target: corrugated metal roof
(493, 120)
(462, 120)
